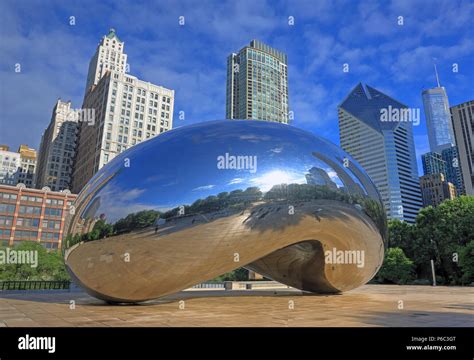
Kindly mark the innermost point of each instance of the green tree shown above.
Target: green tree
(401, 234)
(466, 262)
(50, 265)
(440, 232)
(103, 229)
(396, 268)
(239, 274)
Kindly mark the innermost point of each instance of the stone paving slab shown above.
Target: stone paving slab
(369, 305)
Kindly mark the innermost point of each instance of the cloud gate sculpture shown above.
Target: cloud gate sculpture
(202, 200)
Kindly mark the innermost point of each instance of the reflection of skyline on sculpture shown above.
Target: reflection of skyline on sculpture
(305, 196)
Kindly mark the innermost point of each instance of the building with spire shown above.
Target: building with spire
(441, 135)
(385, 149)
(126, 110)
(438, 117)
(109, 56)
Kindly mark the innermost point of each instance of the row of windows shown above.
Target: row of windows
(31, 198)
(8, 196)
(142, 92)
(36, 210)
(7, 208)
(34, 222)
(27, 235)
(6, 220)
(50, 245)
(30, 235)
(54, 202)
(27, 222)
(50, 236)
(30, 210)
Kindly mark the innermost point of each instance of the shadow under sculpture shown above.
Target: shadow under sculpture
(202, 200)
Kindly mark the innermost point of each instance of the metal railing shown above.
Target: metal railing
(34, 285)
(209, 286)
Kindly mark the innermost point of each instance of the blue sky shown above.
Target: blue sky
(191, 59)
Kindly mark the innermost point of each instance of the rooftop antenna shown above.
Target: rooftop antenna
(436, 72)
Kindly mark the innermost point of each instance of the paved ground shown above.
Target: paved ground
(370, 305)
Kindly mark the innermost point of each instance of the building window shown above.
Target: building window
(30, 210)
(5, 233)
(27, 222)
(7, 208)
(6, 220)
(53, 212)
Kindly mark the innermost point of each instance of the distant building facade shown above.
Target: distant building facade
(433, 163)
(463, 123)
(447, 163)
(435, 189)
(28, 162)
(453, 173)
(58, 148)
(17, 167)
(10, 164)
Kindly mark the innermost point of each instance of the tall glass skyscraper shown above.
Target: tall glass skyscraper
(385, 149)
(257, 84)
(441, 136)
(438, 119)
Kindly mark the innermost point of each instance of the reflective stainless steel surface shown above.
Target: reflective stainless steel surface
(216, 196)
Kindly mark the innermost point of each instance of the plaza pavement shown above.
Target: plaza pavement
(369, 305)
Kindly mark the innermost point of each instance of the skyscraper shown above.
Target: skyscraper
(127, 111)
(257, 84)
(109, 56)
(385, 149)
(438, 118)
(57, 150)
(463, 123)
(441, 134)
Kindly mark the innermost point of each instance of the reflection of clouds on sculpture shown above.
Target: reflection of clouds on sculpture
(277, 150)
(235, 181)
(267, 180)
(204, 187)
(181, 218)
(116, 207)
